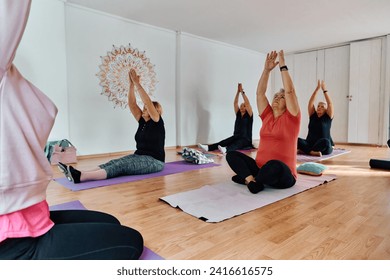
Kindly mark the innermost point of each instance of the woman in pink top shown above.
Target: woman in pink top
(28, 230)
(275, 163)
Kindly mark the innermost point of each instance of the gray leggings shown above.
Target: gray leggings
(132, 165)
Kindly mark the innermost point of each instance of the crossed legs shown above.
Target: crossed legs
(274, 173)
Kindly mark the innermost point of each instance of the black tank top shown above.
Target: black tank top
(243, 126)
(150, 139)
(319, 127)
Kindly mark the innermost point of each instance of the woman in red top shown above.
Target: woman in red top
(275, 163)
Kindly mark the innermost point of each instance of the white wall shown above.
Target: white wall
(95, 126)
(41, 58)
(60, 53)
(209, 74)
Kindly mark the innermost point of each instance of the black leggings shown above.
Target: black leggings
(323, 145)
(77, 235)
(232, 143)
(273, 173)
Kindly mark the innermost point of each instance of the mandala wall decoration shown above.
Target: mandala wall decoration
(114, 74)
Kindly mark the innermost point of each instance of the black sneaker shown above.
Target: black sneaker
(62, 167)
(73, 175)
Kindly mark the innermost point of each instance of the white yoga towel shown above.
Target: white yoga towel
(215, 203)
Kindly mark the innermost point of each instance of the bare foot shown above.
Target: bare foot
(315, 153)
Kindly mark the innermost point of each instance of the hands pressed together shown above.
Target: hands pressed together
(270, 62)
(239, 88)
(321, 85)
(133, 77)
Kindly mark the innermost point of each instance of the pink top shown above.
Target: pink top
(32, 221)
(278, 139)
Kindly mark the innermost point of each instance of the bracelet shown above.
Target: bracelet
(324, 91)
(283, 68)
(243, 92)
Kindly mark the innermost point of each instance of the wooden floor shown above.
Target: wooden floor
(348, 218)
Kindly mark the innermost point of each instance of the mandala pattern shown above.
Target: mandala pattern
(114, 74)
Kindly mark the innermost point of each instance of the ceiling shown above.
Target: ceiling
(259, 25)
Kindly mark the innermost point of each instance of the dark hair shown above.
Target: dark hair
(158, 107)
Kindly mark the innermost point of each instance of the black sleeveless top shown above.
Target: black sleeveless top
(150, 139)
(243, 126)
(319, 127)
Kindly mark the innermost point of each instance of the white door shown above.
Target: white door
(336, 76)
(305, 81)
(364, 92)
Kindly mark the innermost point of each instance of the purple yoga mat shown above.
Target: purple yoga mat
(308, 158)
(170, 168)
(147, 254)
(71, 205)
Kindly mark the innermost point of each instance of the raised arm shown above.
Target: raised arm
(330, 109)
(13, 20)
(154, 115)
(248, 106)
(132, 101)
(235, 102)
(310, 106)
(291, 97)
(261, 98)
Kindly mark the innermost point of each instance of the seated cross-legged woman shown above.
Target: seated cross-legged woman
(275, 163)
(318, 141)
(242, 135)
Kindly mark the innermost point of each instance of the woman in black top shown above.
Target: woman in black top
(149, 156)
(242, 135)
(318, 141)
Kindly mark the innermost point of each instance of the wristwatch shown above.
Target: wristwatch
(283, 68)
